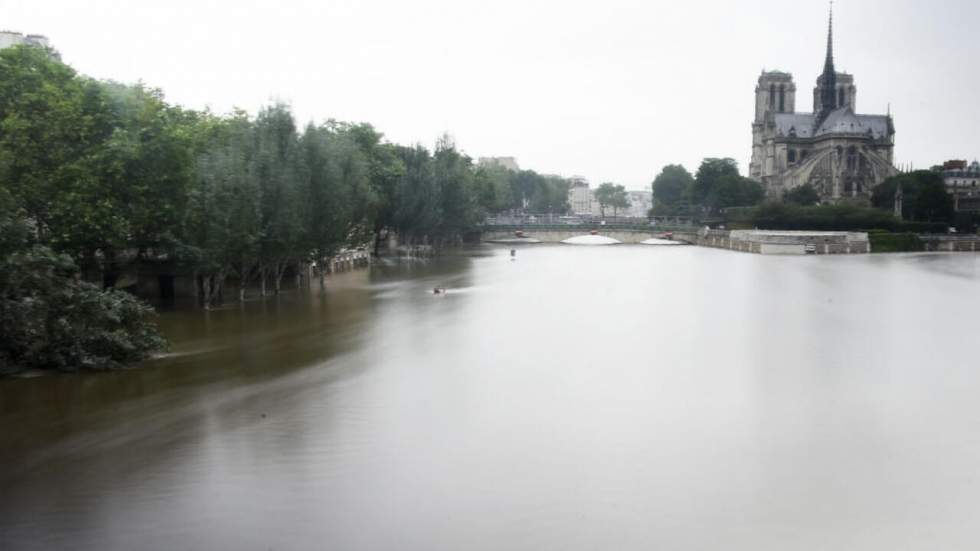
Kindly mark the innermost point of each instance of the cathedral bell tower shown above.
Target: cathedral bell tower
(775, 93)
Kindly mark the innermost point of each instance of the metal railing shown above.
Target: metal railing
(554, 221)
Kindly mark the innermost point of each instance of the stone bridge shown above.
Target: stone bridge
(557, 234)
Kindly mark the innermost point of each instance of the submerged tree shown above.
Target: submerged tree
(51, 319)
(112, 176)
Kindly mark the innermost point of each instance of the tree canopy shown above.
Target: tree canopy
(672, 186)
(925, 198)
(805, 195)
(106, 176)
(718, 185)
(612, 196)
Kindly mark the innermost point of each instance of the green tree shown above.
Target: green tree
(453, 176)
(718, 185)
(275, 167)
(334, 170)
(50, 319)
(925, 198)
(53, 126)
(672, 186)
(524, 184)
(223, 225)
(146, 171)
(491, 184)
(385, 170)
(620, 200)
(805, 195)
(417, 211)
(612, 196)
(604, 195)
(550, 195)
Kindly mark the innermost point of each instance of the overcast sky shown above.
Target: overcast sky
(612, 89)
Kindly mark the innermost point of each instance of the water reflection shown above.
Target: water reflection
(625, 397)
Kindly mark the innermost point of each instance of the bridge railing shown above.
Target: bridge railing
(559, 222)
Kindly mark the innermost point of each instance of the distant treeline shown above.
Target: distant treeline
(718, 193)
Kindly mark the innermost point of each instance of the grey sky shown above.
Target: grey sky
(611, 90)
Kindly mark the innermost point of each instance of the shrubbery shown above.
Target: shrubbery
(782, 216)
(883, 242)
(50, 319)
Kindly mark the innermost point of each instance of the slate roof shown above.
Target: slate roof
(799, 123)
(840, 121)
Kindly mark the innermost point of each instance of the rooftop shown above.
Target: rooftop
(841, 121)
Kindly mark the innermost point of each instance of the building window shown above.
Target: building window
(772, 95)
(782, 98)
(840, 97)
(792, 155)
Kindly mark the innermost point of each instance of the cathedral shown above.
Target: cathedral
(840, 153)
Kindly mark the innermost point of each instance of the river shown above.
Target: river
(620, 398)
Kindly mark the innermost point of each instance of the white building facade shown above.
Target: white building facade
(10, 38)
(580, 196)
(963, 183)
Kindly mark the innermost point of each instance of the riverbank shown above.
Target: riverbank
(831, 243)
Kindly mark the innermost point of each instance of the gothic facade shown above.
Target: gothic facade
(839, 152)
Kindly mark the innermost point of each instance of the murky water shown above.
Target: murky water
(576, 398)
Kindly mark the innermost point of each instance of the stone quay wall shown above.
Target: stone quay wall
(952, 243)
(780, 242)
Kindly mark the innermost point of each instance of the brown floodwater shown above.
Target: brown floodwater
(573, 399)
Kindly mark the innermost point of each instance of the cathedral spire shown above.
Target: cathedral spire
(829, 62)
(828, 80)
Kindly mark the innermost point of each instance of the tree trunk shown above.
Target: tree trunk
(109, 275)
(90, 266)
(262, 273)
(206, 292)
(211, 289)
(244, 276)
(280, 271)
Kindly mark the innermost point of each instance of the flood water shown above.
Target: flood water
(627, 398)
